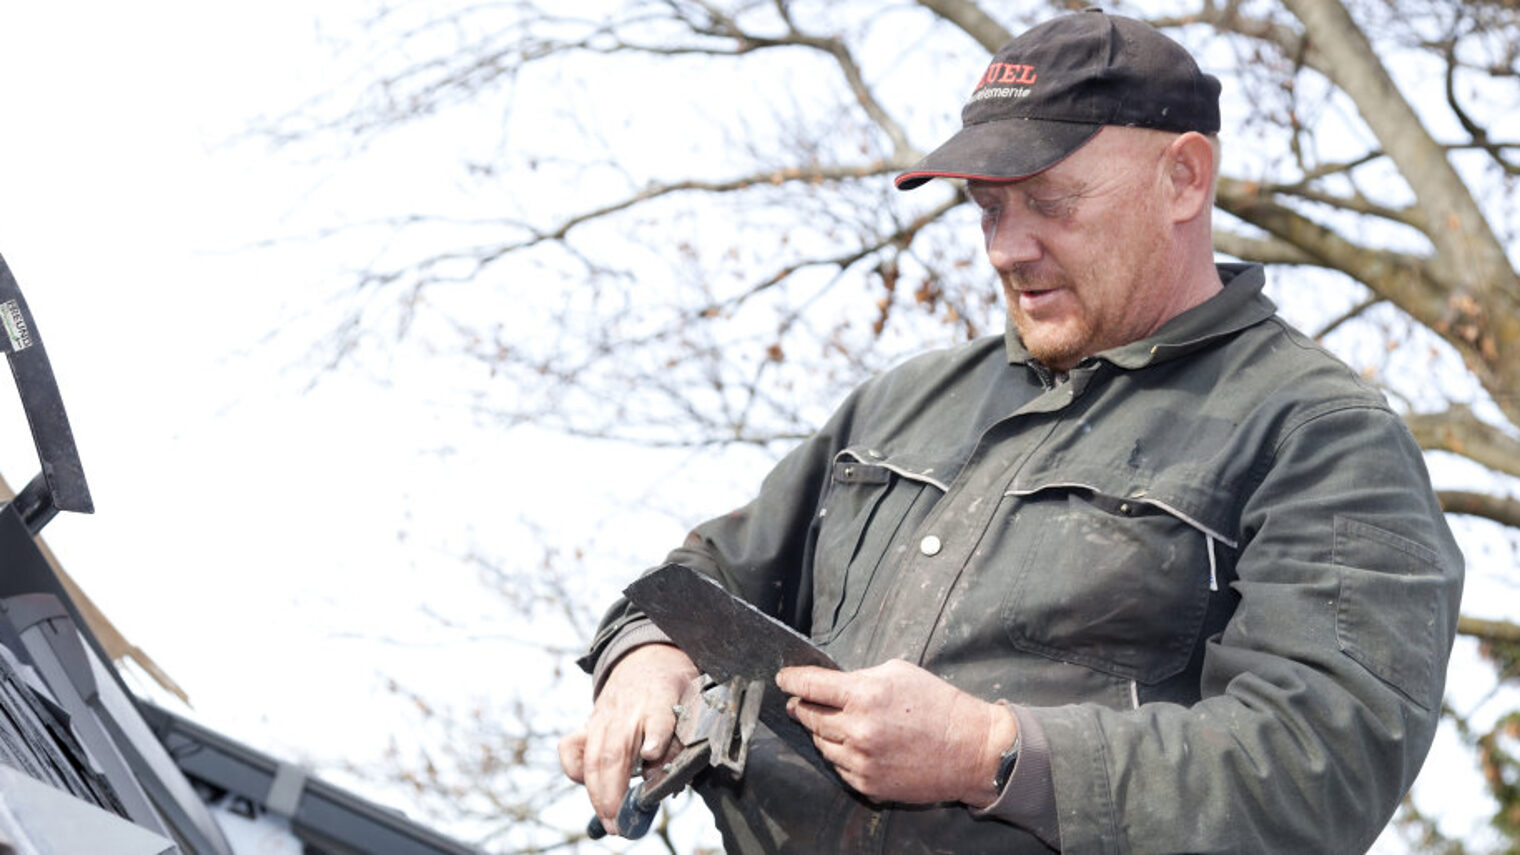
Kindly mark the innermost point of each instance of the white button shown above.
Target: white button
(930, 545)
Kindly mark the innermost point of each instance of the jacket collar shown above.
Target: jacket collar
(1239, 305)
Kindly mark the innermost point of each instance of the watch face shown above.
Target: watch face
(1005, 766)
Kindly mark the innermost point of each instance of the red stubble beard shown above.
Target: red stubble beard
(1054, 324)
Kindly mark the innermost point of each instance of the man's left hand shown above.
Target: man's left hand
(897, 733)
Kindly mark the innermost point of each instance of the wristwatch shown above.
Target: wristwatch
(1006, 763)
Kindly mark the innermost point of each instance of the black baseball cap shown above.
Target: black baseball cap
(1053, 88)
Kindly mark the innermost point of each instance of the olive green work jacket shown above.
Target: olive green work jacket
(1209, 564)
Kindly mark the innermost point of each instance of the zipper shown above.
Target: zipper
(1213, 565)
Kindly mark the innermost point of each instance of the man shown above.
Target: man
(1150, 573)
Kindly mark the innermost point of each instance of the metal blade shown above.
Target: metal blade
(727, 637)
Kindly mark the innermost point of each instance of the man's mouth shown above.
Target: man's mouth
(1034, 299)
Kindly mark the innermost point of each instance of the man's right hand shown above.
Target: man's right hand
(634, 717)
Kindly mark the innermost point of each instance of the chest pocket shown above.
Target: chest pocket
(1120, 584)
(866, 508)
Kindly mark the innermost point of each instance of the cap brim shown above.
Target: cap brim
(1006, 150)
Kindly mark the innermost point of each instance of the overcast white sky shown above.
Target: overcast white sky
(283, 555)
(222, 496)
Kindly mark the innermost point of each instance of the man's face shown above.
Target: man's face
(1083, 249)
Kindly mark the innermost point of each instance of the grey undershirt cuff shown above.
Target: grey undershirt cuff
(1029, 798)
(637, 633)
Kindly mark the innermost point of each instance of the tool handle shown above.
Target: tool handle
(633, 819)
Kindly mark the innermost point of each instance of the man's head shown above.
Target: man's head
(1088, 146)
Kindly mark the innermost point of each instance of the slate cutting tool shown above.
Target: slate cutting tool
(714, 723)
(727, 637)
(739, 649)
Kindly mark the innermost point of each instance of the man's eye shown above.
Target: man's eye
(990, 215)
(1045, 207)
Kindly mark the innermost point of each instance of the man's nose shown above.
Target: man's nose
(1011, 241)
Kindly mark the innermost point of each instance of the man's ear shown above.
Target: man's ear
(1189, 162)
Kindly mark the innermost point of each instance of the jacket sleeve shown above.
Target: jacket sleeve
(761, 551)
(1322, 694)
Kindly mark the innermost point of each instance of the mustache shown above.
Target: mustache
(1026, 276)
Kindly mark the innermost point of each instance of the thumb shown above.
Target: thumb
(654, 747)
(659, 730)
(572, 756)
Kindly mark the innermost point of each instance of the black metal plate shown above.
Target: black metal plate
(727, 637)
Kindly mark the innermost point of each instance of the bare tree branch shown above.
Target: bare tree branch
(1500, 509)
(1260, 250)
(1459, 431)
(1472, 257)
(482, 257)
(903, 151)
(1347, 316)
(973, 20)
(1355, 204)
(1350, 61)
(1406, 280)
(1230, 18)
(1489, 630)
(902, 237)
(1480, 139)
